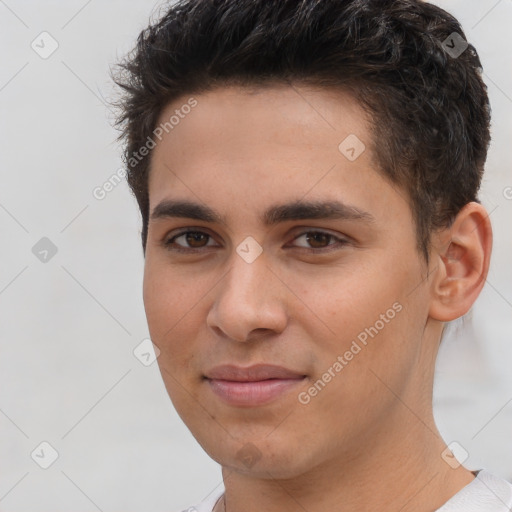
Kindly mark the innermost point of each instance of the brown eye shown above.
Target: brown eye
(196, 239)
(318, 240)
(189, 240)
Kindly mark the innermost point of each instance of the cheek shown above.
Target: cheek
(372, 350)
(367, 314)
(172, 305)
(343, 302)
(172, 323)
(384, 328)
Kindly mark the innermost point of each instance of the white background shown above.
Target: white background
(68, 326)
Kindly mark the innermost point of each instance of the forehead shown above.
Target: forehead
(261, 146)
(279, 115)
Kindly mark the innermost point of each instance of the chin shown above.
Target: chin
(278, 458)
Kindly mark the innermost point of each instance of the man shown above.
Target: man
(307, 174)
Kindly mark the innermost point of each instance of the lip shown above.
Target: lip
(251, 386)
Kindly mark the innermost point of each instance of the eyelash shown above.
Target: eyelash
(170, 243)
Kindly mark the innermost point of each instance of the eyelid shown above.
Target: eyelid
(339, 239)
(169, 237)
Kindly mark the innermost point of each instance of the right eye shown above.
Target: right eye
(189, 241)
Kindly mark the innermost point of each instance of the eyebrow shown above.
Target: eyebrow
(295, 210)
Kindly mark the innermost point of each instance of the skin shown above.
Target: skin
(368, 438)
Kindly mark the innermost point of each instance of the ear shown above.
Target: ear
(460, 258)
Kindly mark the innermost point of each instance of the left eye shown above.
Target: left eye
(318, 240)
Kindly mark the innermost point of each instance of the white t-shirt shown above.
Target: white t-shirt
(486, 493)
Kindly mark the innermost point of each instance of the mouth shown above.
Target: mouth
(252, 386)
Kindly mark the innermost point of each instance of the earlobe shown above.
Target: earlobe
(461, 258)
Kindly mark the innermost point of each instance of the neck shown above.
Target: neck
(403, 472)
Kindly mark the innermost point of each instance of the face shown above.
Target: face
(283, 285)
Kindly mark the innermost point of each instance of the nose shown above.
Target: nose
(249, 301)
